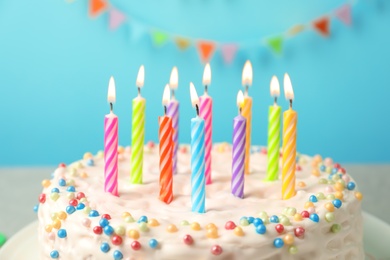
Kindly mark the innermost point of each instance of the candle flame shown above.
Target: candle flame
(240, 99)
(274, 87)
(194, 95)
(288, 90)
(173, 80)
(207, 75)
(140, 77)
(247, 74)
(111, 97)
(166, 95)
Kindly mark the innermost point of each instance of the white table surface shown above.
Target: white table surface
(20, 188)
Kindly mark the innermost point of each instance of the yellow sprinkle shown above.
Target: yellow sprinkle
(339, 195)
(171, 228)
(84, 175)
(70, 195)
(358, 195)
(53, 216)
(100, 154)
(329, 206)
(238, 231)
(317, 158)
(210, 225)
(132, 233)
(73, 172)
(298, 217)
(125, 214)
(56, 224)
(48, 228)
(195, 226)
(87, 156)
(309, 204)
(316, 172)
(301, 184)
(153, 222)
(212, 233)
(121, 149)
(46, 183)
(70, 182)
(62, 215)
(288, 239)
(339, 186)
(79, 165)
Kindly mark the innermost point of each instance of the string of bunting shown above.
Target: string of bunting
(207, 48)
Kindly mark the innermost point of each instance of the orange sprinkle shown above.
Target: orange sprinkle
(358, 195)
(301, 184)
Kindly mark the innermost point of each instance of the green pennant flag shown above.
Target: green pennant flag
(159, 38)
(276, 44)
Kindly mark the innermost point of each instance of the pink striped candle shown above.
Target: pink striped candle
(111, 145)
(205, 112)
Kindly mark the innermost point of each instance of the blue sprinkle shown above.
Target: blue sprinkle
(80, 206)
(56, 190)
(153, 243)
(278, 242)
(103, 222)
(62, 182)
(330, 176)
(143, 219)
(260, 229)
(71, 189)
(36, 207)
(257, 221)
(105, 247)
(251, 219)
(337, 203)
(93, 213)
(54, 254)
(108, 230)
(274, 219)
(322, 168)
(90, 162)
(61, 233)
(70, 209)
(335, 170)
(314, 217)
(313, 198)
(117, 255)
(351, 185)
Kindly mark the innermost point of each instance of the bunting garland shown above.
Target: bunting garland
(206, 48)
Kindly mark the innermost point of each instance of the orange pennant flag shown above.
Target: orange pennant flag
(96, 7)
(322, 26)
(206, 50)
(296, 29)
(182, 43)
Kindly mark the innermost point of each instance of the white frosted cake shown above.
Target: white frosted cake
(78, 220)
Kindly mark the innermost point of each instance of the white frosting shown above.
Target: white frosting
(221, 206)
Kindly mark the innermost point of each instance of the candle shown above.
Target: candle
(238, 163)
(173, 112)
(166, 148)
(247, 110)
(274, 113)
(205, 111)
(198, 185)
(111, 144)
(138, 131)
(289, 143)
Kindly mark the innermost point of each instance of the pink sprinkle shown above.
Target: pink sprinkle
(345, 178)
(328, 161)
(86, 222)
(150, 144)
(183, 149)
(329, 189)
(264, 150)
(311, 210)
(51, 236)
(298, 167)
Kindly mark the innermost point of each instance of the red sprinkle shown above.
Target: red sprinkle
(279, 228)
(106, 216)
(73, 202)
(337, 165)
(80, 195)
(305, 214)
(230, 225)
(343, 171)
(188, 239)
(264, 150)
(62, 165)
(116, 240)
(42, 198)
(299, 232)
(298, 168)
(97, 230)
(216, 250)
(135, 245)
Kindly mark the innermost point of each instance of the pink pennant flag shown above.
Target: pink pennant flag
(228, 52)
(116, 18)
(344, 14)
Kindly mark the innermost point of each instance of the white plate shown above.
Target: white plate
(24, 245)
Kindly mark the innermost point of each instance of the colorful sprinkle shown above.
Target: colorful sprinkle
(135, 245)
(187, 239)
(279, 228)
(71, 189)
(86, 222)
(116, 240)
(93, 213)
(329, 206)
(42, 198)
(299, 232)
(62, 182)
(358, 195)
(230, 225)
(70, 195)
(61, 233)
(117, 255)
(54, 254)
(339, 195)
(305, 214)
(212, 233)
(261, 229)
(97, 230)
(313, 198)
(278, 243)
(143, 219)
(244, 221)
(56, 224)
(36, 207)
(274, 219)
(351, 185)
(336, 228)
(45, 183)
(56, 190)
(216, 250)
(238, 231)
(195, 226)
(285, 221)
(293, 250)
(120, 230)
(132, 233)
(80, 195)
(320, 196)
(257, 221)
(108, 230)
(288, 239)
(144, 227)
(153, 243)
(80, 206)
(105, 247)
(103, 222)
(314, 217)
(337, 203)
(329, 216)
(73, 202)
(70, 209)
(154, 223)
(90, 162)
(182, 223)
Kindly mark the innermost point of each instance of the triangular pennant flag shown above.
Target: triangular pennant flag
(276, 44)
(206, 50)
(96, 7)
(116, 18)
(228, 52)
(182, 43)
(159, 37)
(137, 30)
(322, 25)
(344, 14)
(298, 28)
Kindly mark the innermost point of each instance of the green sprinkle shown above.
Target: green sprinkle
(322, 181)
(293, 250)
(320, 196)
(184, 223)
(336, 228)
(329, 216)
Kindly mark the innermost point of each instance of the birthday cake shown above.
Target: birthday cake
(78, 220)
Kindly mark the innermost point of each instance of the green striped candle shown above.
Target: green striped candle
(274, 114)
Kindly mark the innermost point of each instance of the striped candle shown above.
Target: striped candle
(173, 112)
(205, 112)
(247, 113)
(111, 145)
(289, 144)
(198, 183)
(238, 162)
(166, 146)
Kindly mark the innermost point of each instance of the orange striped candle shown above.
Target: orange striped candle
(165, 147)
(289, 143)
(247, 111)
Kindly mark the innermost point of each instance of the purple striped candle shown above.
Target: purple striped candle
(238, 163)
(173, 113)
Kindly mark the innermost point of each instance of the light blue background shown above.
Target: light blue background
(55, 63)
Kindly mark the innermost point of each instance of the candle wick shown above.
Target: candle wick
(165, 110)
(275, 100)
(173, 93)
(111, 107)
(206, 89)
(197, 109)
(290, 103)
(240, 110)
(246, 90)
(139, 91)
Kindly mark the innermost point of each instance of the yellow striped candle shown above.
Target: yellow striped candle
(289, 143)
(273, 133)
(247, 111)
(138, 132)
